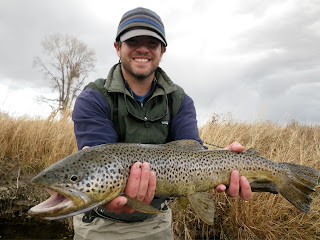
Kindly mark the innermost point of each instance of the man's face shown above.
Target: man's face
(140, 56)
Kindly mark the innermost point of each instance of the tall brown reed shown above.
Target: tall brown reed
(35, 143)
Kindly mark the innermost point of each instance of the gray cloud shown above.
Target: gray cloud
(26, 23)
(273, 68)
(251, 58)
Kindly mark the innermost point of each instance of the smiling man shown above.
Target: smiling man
(137, 103)
(140, 57)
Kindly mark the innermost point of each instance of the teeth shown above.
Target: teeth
(141, 60)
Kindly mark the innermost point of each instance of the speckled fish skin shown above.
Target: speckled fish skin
(96, 175)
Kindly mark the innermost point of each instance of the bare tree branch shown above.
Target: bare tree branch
(66, 63)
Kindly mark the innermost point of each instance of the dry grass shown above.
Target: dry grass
(36, 143)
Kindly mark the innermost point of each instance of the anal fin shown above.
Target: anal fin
(203, 205)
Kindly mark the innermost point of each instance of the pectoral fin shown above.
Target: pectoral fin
(203, 206)
(141, 206)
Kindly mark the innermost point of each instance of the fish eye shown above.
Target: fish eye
(73, 178)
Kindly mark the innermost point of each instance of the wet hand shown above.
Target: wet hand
(239, 185)
(141, 185)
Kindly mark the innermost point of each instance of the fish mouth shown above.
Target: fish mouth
(55, 202)
(62, 203)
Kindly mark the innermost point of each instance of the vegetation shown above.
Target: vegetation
(66, 62)
(35, 143)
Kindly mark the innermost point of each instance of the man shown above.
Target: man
(137, 103)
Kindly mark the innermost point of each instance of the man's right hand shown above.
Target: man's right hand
(141, 185)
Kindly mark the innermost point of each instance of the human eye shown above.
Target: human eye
(153, 43)
(131, 41)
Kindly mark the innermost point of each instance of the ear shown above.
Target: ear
(117, 47)
(164, 49)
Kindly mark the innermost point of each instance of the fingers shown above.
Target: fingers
(144, 182)
(239, 186)
(116, 203)
(151, 188)
(141, 185)
(245, 189)
(139, 181)
(233, 189)
(221, 188)
(133, 182)
(235, 146)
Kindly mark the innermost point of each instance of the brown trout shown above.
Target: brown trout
(95, 176)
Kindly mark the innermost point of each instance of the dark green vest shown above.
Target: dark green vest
(133, 123)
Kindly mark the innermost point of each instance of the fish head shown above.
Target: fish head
(78, 183)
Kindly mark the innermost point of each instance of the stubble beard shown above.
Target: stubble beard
(129, 70)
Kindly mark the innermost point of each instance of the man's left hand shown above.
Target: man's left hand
(239, 185)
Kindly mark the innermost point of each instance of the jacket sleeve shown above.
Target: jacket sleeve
(184, 124)
(91, 117)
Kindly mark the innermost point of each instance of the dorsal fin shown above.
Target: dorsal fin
(185, 144)
(252, 151)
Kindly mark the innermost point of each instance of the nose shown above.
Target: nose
(142, 48)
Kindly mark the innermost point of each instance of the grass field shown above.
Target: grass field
(35, 143)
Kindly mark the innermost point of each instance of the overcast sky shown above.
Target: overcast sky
(255, 59)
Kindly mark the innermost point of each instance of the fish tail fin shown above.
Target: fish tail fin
(296, 183)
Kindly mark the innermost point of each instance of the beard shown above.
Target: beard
(139, 75)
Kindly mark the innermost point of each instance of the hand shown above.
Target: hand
(239, 185)
(141, 185)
